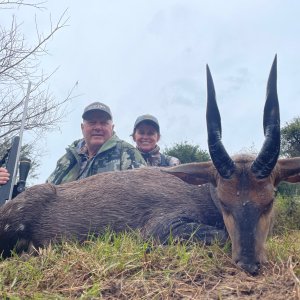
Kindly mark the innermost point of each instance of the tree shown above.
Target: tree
(290, 138)
(290, 147)
(19, 64)
(187, 153)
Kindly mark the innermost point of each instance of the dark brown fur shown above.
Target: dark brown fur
(145, 199)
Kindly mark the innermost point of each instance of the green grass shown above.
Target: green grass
(287, 214)
(121, 268)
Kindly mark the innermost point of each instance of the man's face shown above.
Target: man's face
(96, 130)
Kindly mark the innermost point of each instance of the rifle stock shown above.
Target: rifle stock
(24, 167)
(6, 190)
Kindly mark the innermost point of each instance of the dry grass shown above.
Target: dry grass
(125, 269)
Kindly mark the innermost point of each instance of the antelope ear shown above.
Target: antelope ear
(193, 173)
(294, 179)
(289, 170)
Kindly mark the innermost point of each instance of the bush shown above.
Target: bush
(187, 153)
(287, 213)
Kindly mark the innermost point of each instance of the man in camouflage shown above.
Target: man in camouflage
(100, 150)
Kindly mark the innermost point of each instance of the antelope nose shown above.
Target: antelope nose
(253, 269)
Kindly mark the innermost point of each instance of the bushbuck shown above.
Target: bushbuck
(233, 195)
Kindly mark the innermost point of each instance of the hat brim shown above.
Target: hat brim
(148, 122)
(86, 115)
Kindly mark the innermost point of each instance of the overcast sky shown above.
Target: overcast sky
(150, 56)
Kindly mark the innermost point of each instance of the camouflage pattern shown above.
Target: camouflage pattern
(156, 159)
(114, 155)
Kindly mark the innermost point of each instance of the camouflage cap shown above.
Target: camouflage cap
(96, 106)
(148, 119)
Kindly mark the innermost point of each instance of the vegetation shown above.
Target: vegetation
(187, 153)
(124, 269)
(287, 214)
(290, 147)
(290, 138)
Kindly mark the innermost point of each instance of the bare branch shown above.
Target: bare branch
(20, 63)
(7, 4)
(60, 24)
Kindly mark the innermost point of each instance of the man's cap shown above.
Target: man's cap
(148, 119)
(96, 106)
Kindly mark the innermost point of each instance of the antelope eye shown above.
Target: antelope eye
(268, 207)
(225, 207)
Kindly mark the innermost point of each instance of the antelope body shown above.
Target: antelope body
(235, 194)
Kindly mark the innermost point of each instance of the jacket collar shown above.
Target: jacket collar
(80, 146)
(153, 152)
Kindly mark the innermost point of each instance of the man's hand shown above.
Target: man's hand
(4, 176)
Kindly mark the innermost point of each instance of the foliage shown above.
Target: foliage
(187, 153)
(290, 138)
(290, 147)
(289, 189)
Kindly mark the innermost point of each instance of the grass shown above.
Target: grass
(123, 266)
(287, 214)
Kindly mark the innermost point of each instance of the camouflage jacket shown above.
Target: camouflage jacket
(157, 159)
(114, 155)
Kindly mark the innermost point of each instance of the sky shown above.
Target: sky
(147, 56)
